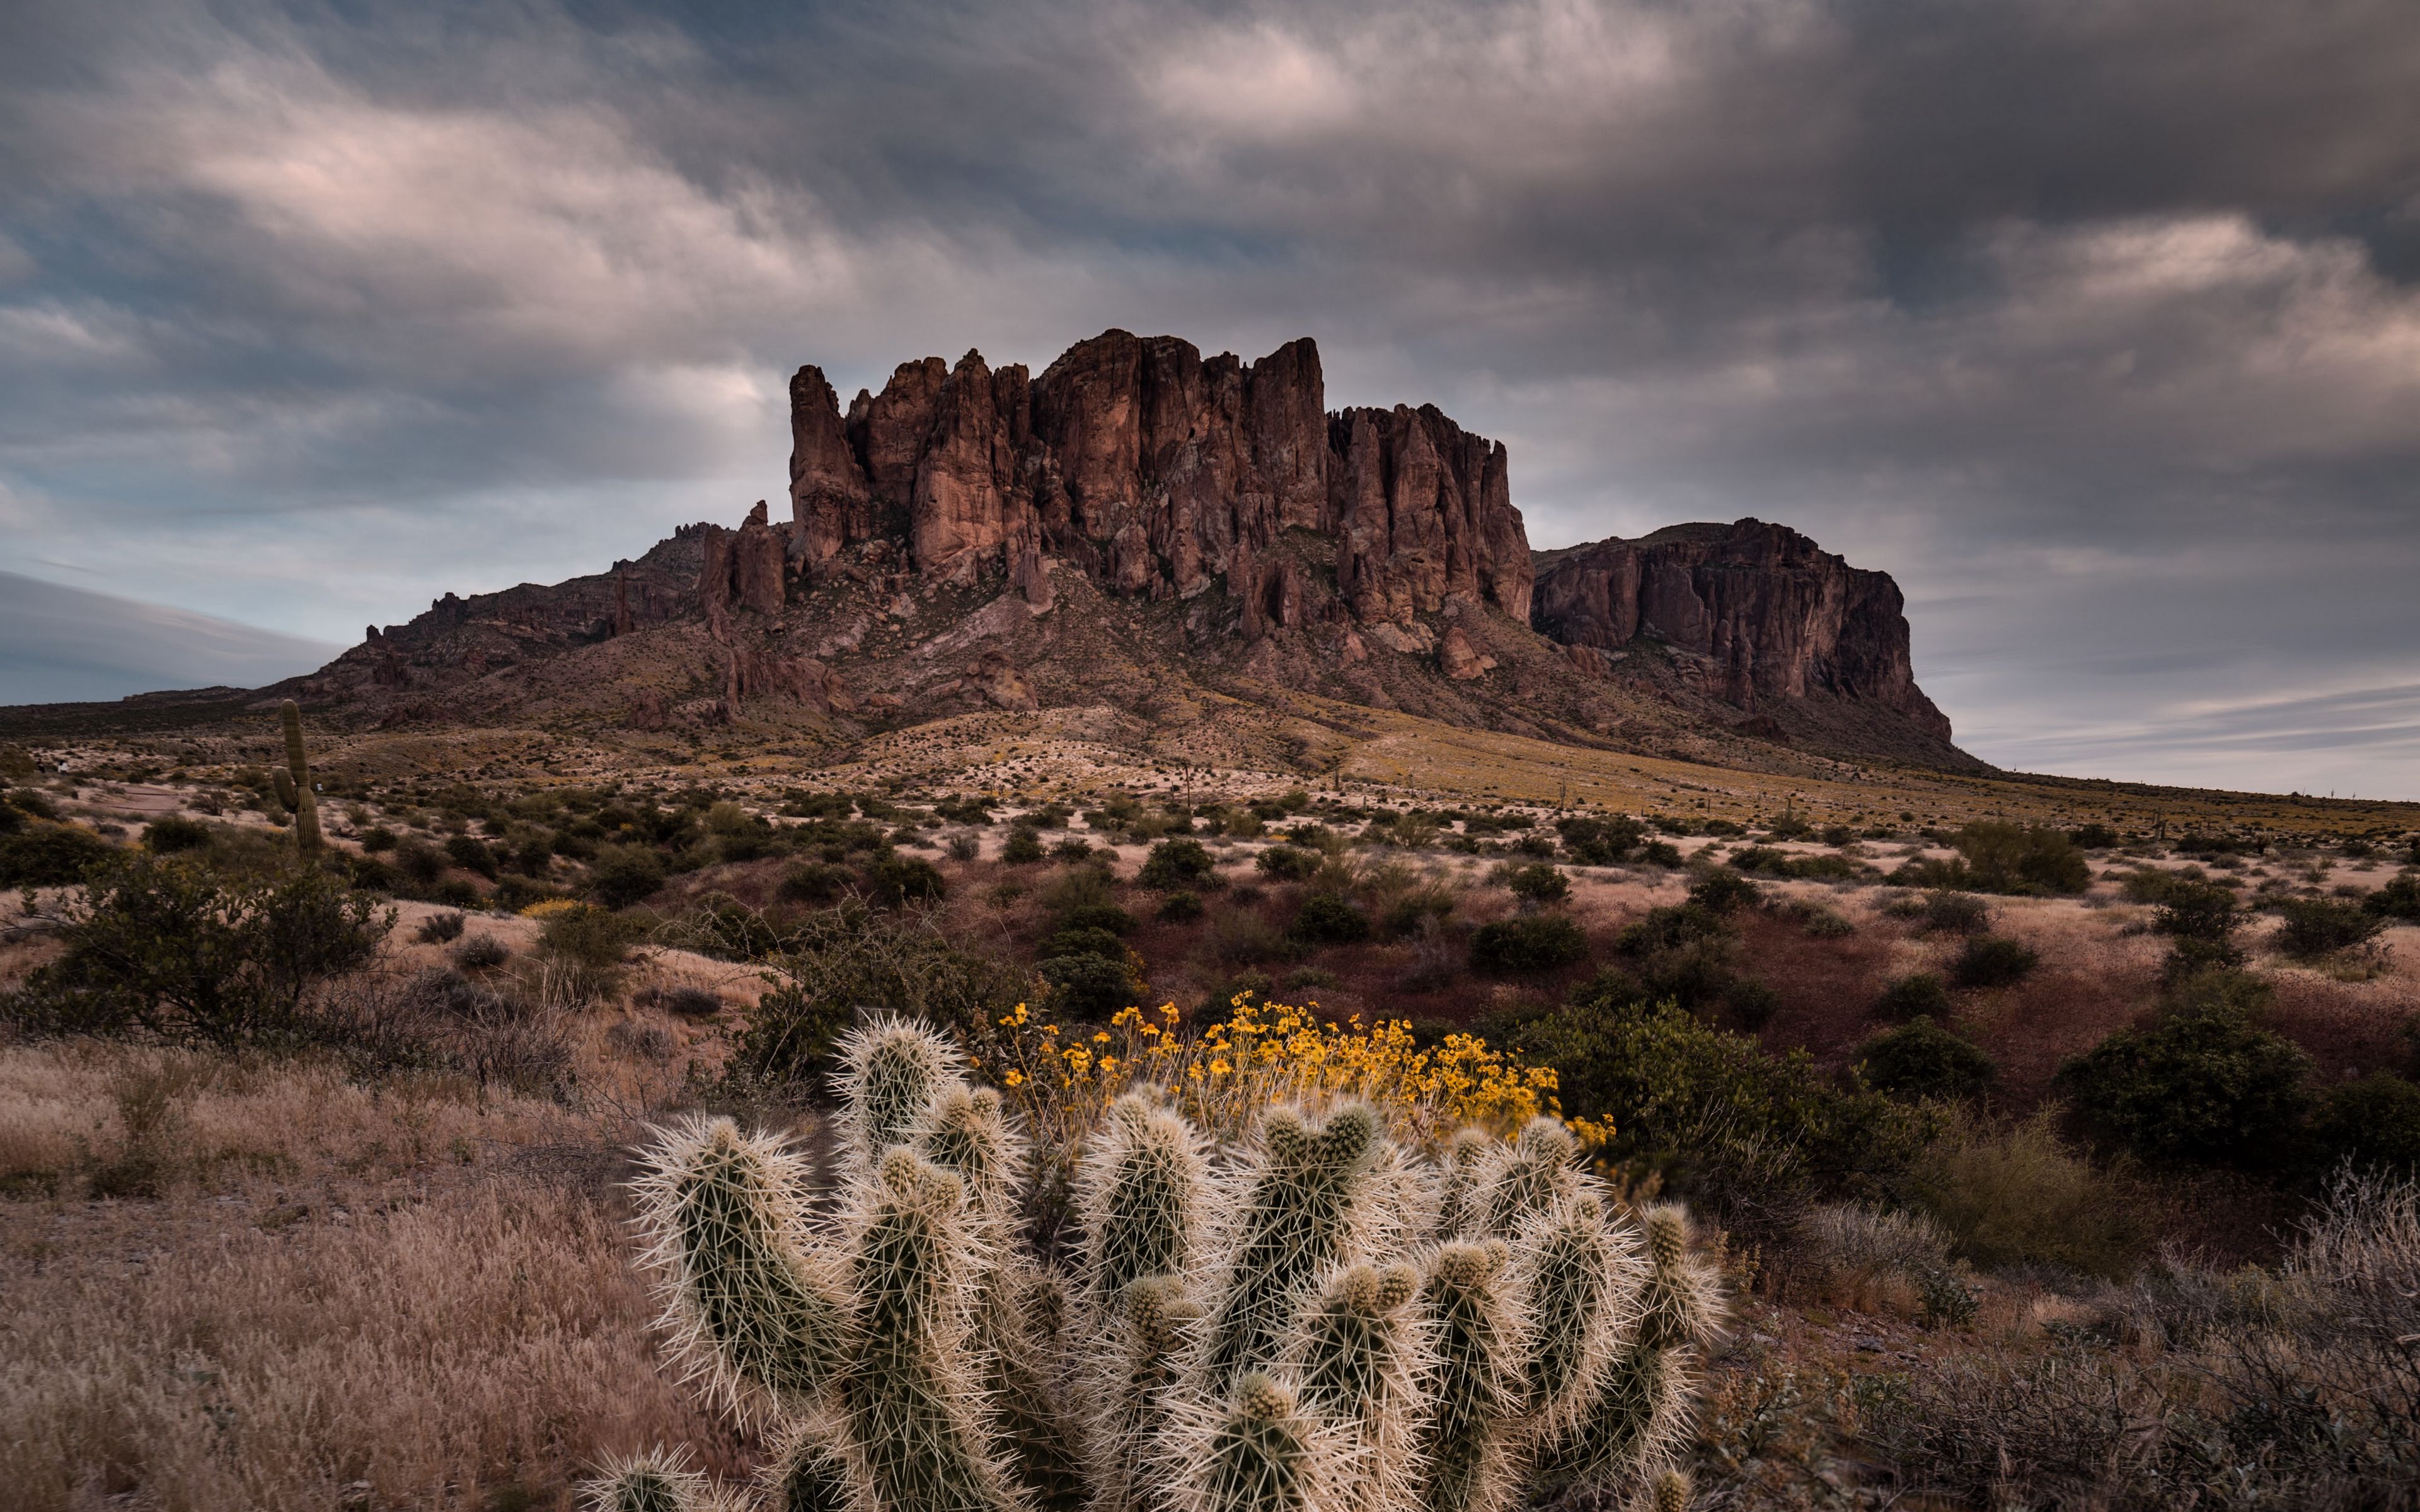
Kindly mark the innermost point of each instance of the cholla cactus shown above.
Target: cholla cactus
(1469, 1439)
(1317, 1321)
(1360, 1352)
(1640, 1418)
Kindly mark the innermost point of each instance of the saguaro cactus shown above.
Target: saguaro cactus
(293, 783)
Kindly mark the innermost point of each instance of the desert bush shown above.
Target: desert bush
(166, 837)
(1991, 960)
(1722, 891)
(1593, 841)
(1071, 849)
(625, 874)
(167, 949)
(2371, 1124)
(2006, 858)
(482, 952)
(893, 881)
(1096, 913)
(690, 1002)
(1752, 1003)
(719, 925)
(1873, 1259)
(1524, 947)
(2195, 1086)
(50, 855)
(963, 845)
(2317, 927)
(1920, 1059)
(2016, 1196)
(849, 959)
(813, 882)
(586, 945)
(1819, 921)
(1325, 919)
(439, 928)
(1943, 911)
(1093, 987)
(1177, 863)
(1083, 939)
(1670, 926)
(1288, 863)
(1180, 907)
(2399, 899)
(1023, 847)
(1292, 1344)
(471, 854)
(1918, 993)
(1538, 883)
(1242, 937)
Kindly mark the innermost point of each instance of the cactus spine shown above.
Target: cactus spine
(1579, 1278)
(1142, 1195)
(293, 783)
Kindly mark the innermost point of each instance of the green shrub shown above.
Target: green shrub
(2399, 899)
(2191, 910)
(2006, 858)
(1725, 892)
(2372, 1124)
(1083, 939)
(1539, 883)
(588, 936)
(1023, 847)
(1097, 914)
(1991, 960)
(1752, 1003)
(2092, 837)
(1916, 994)
(481, 952)
(1093, 987)
(1660, 853)
(1177, 863)
(1325, 919)
(813, 882)
(852, 957)
(791, 1035)
(1945, 912)
(471, 854)
(1920, 1059)
(1593, 841)
(1670, 926)
(50, 855)
(1071, 849)
(1180, 907)
(2209, 1087)
(439, 928)
(1519, 946)
(167, 948)
(625, 874)
(2018, 1196)
(167, 837)
(893, 880)
(1288, 863)
(455, 893)
(2317, 927)
(1754, 1135)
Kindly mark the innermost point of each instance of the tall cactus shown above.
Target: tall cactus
(1362, 1358)
(1257, 1452)
(1475, 1326)
(293, 783)
(1278, 1328)
(753, 1310)
(1640, 1418)
(1301, 1202)
(912, 1394)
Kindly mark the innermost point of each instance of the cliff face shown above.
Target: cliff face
(1157, 470)
(1764, 612)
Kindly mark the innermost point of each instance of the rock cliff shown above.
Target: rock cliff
(1158, 471)
(1756, 612)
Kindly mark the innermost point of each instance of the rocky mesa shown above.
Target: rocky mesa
(1198, 521)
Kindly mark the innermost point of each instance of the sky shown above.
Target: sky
(2097, 325)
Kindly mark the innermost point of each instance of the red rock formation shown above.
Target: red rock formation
(1157, 470)
(1773, 615)
(756, 565)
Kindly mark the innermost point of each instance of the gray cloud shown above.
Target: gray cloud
(67, 644)
(2099, 326)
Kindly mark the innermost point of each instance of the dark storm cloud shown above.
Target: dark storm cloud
(71, 645)
(2097, 325)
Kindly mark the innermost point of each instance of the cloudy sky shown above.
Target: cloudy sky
(2096, 324)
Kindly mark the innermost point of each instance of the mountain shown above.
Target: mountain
(1145, 529)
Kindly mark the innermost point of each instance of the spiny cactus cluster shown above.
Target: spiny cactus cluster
(1316, 1321)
